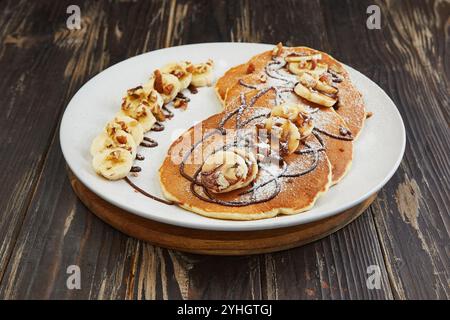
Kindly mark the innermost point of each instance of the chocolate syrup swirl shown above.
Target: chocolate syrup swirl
(250, 86)
(196, 186)
(272, 71)
(347, 137)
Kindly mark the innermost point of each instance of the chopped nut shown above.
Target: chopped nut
(189, 66)
(158, 84)
(250, 68)
(178, 73)
(122, 139)
(152, 97)
(180, 103)
(168, 89)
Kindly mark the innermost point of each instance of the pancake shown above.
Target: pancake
(350, 104)
(285, 185)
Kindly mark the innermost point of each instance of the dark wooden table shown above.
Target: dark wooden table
(44, 228)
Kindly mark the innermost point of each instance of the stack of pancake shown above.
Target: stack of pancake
(290, 176)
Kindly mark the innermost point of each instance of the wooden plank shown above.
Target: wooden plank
(58, 231)
(415, 225)
(27, 55)
(335, 267)
(407, 58)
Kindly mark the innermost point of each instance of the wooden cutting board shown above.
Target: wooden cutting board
(214, 242)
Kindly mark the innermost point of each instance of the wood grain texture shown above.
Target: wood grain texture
(44, 228)
(408, 58)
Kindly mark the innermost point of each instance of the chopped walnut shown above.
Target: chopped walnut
(121, 139)
(167, 89)
(158, 85)
(250, 68)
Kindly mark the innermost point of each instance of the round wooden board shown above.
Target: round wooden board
(213, 242)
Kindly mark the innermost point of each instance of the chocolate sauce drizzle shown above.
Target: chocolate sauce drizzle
(192, 89)
(149, 143)
(272, 70)
(167, 113)
(135, 169)
(158, 127)
(145, 193)
(196, 185)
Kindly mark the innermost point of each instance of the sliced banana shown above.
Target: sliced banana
(326, 88)
(311, 82)
(306, 67)
(298, 58)
(136, 106)
(142, 114)
(113, 164)
(202, 74)
(285, 131)
(297, 114)
(119, 139)
(127, 124)
(313, 96)
(166, 84)
(179, 70)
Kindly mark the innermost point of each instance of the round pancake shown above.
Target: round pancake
(338, 149)
(350, 104)
(296, 193)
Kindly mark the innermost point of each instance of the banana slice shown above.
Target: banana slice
(297, 114)
(136, 106)
(311, 82)
(202, 74)
(289, 110)
(166, 84)
(313, 96)
(118, 139)
(179, 70)
(285, 131)
(113, 164)
(306, 67)
(128, 125)
(322, 86)
(297, 58)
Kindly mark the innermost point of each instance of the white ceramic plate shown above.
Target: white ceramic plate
(378, 150)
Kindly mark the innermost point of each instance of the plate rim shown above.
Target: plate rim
(250, 225)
